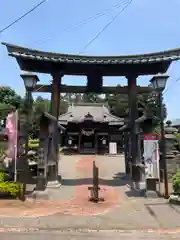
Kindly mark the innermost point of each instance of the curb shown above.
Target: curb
(173, 199)
(43, 230)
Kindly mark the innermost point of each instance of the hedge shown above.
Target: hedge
(10, 188)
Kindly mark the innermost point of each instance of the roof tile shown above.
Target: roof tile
(169, 55)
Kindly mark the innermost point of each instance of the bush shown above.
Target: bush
(11, 188)
(178, 140)
(176, 183)
(34, 141)
(3, 176)
(33, 144)
(3, 148)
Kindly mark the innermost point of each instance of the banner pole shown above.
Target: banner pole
(15, 146)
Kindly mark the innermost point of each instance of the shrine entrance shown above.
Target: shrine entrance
(88, 141)
(95, 68)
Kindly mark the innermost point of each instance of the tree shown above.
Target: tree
(40, 105)
(9, 100)
(90, 97)
(169, 123)
(118, 104)
(63, 106)
(147, 104)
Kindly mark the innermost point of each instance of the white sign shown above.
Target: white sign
(151, 156)
(113, 148)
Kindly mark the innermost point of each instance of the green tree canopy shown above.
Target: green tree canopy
(9, 100)
(118, 104)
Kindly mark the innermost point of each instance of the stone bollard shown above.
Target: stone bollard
(94, 190)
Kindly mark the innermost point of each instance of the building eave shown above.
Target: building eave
(28, 53)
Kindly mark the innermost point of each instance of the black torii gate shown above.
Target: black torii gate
(95, 67)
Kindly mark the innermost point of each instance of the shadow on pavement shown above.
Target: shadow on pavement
(119, 179)
(135, 193)
(175, 208)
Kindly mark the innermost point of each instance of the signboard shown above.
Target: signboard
(113, 148)
(151, 156)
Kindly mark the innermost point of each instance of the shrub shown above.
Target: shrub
(33, 146)
(176, 183)
(3, 147)
(34, 141)
(178, 139)
(10, 188)
(3, 176)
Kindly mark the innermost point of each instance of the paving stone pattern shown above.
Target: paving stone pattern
(70, 208)
(91, 236)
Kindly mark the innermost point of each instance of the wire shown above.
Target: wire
(85, 21)
(22, 16)
(177, 80)
(127, 4)
(106, 26)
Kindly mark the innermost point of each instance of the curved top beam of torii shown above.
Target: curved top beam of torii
(48, 62)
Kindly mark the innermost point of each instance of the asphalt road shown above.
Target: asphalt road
(89, 236)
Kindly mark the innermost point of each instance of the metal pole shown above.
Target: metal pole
(163, 146)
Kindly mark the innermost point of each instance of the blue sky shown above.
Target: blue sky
(145, 26)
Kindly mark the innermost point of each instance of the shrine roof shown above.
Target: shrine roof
(93, 111)
(18, 51)
(23, 54)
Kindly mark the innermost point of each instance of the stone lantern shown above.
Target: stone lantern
(170, 140)
(171, 150)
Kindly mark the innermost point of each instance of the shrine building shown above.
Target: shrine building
(90, 127)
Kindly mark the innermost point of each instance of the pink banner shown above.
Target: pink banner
(12, 130)
(151, 136)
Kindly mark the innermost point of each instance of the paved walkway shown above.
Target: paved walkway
(69, 207)
(138, 235)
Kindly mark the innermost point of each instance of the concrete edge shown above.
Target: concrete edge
(174, 202)
(86, 230)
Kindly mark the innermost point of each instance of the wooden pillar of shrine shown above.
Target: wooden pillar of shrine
(94, 82)
(55, 105)
(133, 115)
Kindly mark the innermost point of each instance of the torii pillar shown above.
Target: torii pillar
(55, 106)
(133, 115)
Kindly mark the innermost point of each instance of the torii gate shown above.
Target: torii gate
(95, 67)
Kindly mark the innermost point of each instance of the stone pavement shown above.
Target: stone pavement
(138, 235)
(69, 207)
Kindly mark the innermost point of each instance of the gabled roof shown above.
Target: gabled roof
(98, 113)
